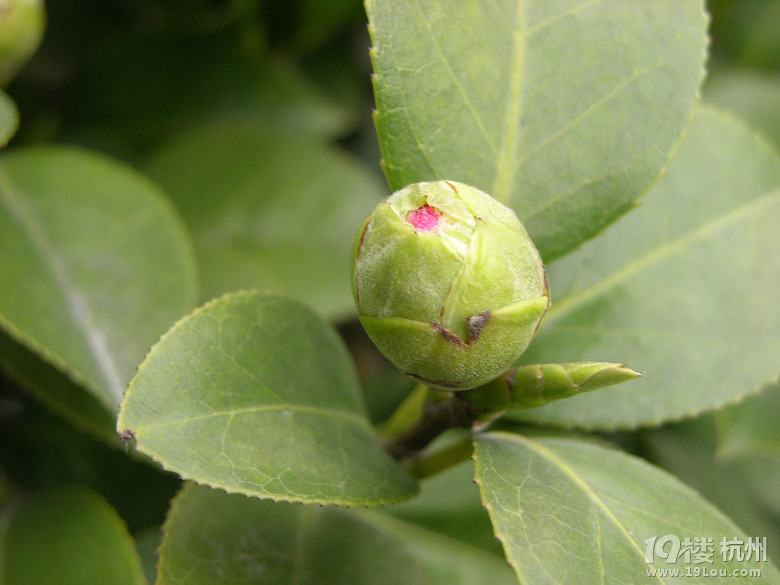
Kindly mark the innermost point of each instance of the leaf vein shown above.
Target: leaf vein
(461, 89)
(660, 253)
(587, 489)
(593, 107)
(505, 161)
(76, 303)
(295, 408)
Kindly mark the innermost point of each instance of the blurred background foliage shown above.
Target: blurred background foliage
(141, 80)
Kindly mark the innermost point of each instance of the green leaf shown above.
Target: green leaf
(213, 538)
(447, 561)
(682, 290)
(751, 428)
(94, 266)
(9, 118)
(752, 95)
(565, 111)
(534, 385)
(269, 211)
(57, 387)
(228, 539)
(148, 543)
(40, 450)
(761, 476)
(449, 504)
(256, 394)
(687, 450)
(572, 512)
(69, 537)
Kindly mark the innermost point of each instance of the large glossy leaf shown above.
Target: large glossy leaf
(269, 211)
(213, 538)
(683, 290)
(9, 118)
(256, 394)
(573, 512)
(565, 111)
(69, 537)
(94, 266)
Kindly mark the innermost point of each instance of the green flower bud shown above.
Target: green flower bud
(21, 30)
(448, 284)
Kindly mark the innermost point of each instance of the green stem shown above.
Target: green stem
(427, 464)
(443, 411)
(408, 412)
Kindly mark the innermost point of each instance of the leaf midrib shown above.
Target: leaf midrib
(353, 418)
(76, 304)
(456, 82)
(575, 300)
(579, 483)
(505, 161)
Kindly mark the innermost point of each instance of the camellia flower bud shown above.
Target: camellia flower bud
(448, 284)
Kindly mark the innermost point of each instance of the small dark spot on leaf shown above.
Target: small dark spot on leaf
(127, 435)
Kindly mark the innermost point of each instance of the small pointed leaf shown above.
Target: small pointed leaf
(257, 395)
(535, 385)
(572, 512)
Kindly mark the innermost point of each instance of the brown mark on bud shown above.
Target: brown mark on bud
(357, 255)
(363, 237)
(447, 334)
(475, 324)
(549, 302)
